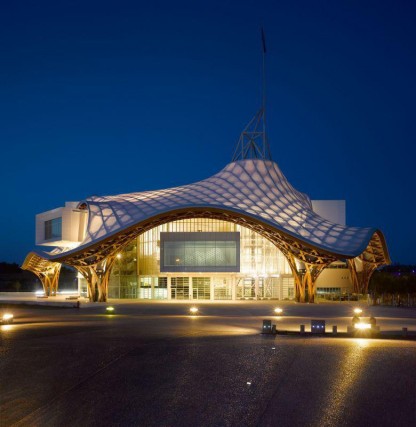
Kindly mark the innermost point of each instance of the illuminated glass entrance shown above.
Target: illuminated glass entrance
(246, 288)
(179, 288)
(201, 259)
(201, 288)
(222, 288)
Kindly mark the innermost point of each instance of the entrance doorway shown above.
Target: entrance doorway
(179, 288)
(201, 288)
(246, 288)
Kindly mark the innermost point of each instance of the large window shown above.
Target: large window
(53, 229)
(258, 256)
(200, 252)
(201, 288)
(179, 288)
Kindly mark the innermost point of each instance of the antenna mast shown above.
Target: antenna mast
(263, 42)
(253, 142)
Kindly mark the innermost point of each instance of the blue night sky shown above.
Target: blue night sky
(113, 97)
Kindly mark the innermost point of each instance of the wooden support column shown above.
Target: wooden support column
(104, 270)
(54, 279)
(50, 278)
(354, 275)
(311, 274)
(299, 283)
(97, 277)
(368, 270)
(361, 278)
(91, 279)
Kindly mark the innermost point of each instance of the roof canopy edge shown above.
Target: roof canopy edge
(304, 251)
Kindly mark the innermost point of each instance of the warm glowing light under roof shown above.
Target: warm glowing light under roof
(193, 310)
(7, 317)
(278, 310)
(110, 309)
(357, 310)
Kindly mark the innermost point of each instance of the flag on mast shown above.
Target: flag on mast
(263, 40)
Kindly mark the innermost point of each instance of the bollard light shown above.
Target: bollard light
(362, 325)
(193, 310)
(7, 318)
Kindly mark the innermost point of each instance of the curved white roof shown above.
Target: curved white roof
(252, 187)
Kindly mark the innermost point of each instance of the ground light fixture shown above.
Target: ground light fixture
(362, 325)
(278, 311)
(109, 309)
(7, 318)
(194, 310)
(357, 310)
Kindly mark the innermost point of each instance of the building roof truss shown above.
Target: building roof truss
(97, 252)
(287, 244)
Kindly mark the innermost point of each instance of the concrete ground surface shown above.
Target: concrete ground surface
(152, 364)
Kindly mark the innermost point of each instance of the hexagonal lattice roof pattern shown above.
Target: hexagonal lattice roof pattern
(252, 187)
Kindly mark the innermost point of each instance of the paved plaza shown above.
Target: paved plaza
(152, 364)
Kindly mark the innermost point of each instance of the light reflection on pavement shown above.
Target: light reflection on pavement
(157, 365)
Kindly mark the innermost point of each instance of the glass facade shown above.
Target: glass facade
(201, 288)
(53, 229)
(179, 288)
(201, 259)
(200, 252)
(123, 280)
(222, 288)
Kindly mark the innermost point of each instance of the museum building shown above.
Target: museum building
(243, 233)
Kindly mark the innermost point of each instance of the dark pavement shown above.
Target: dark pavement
(153, 365)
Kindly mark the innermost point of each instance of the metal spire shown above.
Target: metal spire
(253, 143)
(253, 140)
